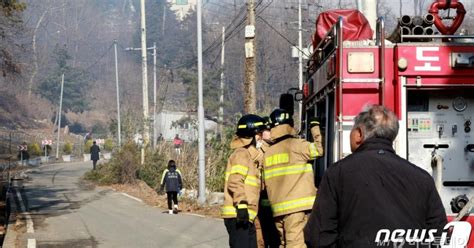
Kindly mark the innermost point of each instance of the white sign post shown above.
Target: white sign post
(22, 148)
(45, 144)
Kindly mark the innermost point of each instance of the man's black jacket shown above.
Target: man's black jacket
(369, 190)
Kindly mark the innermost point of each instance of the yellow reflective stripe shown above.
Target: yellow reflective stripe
(239, 169)
(313, 151)
(293, 204)
(163, 176)
(255, 124)
(288, 170)
(239, 206)
(227, 174)
(281, 158)
(228, 211)
(252, 214)
(252, 181)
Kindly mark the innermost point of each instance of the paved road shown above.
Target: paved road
(68, 213)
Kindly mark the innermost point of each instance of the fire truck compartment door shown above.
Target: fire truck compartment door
(443, 122)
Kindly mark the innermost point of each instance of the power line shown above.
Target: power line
(102, 56)
(279, 33)
(216, 43)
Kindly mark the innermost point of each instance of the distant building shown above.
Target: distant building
(182, 7)
(170, 123)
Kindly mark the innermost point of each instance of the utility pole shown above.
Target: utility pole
(164, 21)
(250, 105)
(154, 95)
(202, 138)
(119, 133)
(221, 99)
(300, 59)
(146, 134)
(369, 9)
(59, 120)
(153, 48)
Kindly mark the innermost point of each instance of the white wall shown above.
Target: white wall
(164, 121)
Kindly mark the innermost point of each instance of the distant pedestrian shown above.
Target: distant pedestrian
(94, 154)
(171, 179)
(178, 142)
(160, 138)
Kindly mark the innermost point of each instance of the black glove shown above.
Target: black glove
(313, 121)
(242, 213)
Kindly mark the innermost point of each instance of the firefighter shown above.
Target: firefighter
(243, 182)
(267, 234)
(289, 178)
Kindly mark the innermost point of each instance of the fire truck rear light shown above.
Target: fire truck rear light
(360, 62)
(462, 60)
(402, 64)
(306, 90)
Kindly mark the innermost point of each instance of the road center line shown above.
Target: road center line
(31, 243)
(29, 221)
(132, 197)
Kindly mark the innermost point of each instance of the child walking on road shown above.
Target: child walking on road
(172, 180)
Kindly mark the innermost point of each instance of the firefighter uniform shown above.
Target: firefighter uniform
(242, 189)
(289, 179)
(267, 234)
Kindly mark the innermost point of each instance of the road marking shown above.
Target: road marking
(29, 221)
(31, 243)
(132, 197)
(198, 215)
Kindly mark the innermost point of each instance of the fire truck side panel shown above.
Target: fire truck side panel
(436, 60)
(361, 89)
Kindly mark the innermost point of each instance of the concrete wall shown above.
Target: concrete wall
(165, 119)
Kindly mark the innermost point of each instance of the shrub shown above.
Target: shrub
(125, 167)
(122, 168)
(108, 145)
(67, 148)
(218, 154)
(87, 146)
(35, 149)
(151, 171)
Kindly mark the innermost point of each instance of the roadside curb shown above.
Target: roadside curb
(11, 235)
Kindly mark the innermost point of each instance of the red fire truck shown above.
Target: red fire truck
(426, 78)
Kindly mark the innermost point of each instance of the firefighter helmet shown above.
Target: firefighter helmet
(267, 122)
(249, 125)
(281, 116)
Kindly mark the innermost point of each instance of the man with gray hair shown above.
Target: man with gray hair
(372, 189)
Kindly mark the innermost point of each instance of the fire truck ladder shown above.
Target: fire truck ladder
(380, 42)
